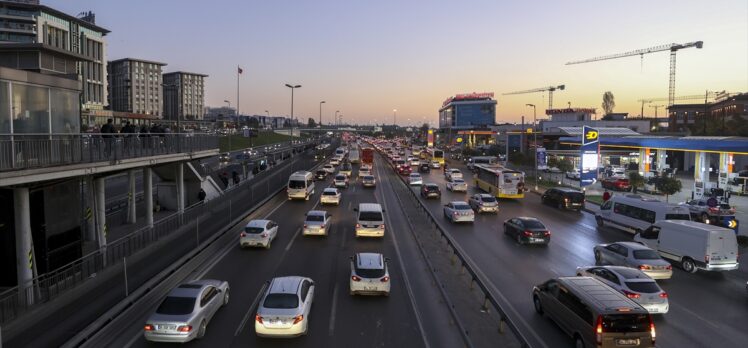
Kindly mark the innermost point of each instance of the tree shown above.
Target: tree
(311, 123)
(669, 186)
(253, 123)
(636, 180)
(565, 165)
(609, 102)
(552, 162)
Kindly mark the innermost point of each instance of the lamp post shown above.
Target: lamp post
(320, 113)
(394, 117)
(292, 87)
(535, 141)
(335, 121)
(228, 103)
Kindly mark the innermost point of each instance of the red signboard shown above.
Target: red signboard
(469, 96)
(570, 111)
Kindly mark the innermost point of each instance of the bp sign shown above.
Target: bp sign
(589, 153)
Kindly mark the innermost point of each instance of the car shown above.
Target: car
(404, 170)
(435, 164)
(574, 174)
(483, 202)
(346, 169)
(225, 157)
(552, 170)
(401, 163)
(330, 195)
(335, 161)
(424, 167)
(632, 254)
(457, 185)
(284, 309)
(631, 282)
(369, 181)
(563, 198)
(526, 229)
(459, 211)
(708, 211)
(414, 162)
(401, 152)
(452, 173)
(259, 233)
(186, 311)
(431, 191)
(616, 183)
(329, 168)
(369, 275)
(415, 179)
(317, 222)
(341, 180)
(320, 174)
(362, 172)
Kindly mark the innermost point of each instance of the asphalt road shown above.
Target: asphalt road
(706, 309)
(412, 316)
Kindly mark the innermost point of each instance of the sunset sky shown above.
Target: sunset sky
(366, 58)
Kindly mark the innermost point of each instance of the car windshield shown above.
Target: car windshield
(296, 184)
(533, 224)
(458, 181)
(431, 187)
(644, 287)
(646, 255)
(370, 272)
(576, 197)
(462, 206)
(370, 216)
(315, 218)
(488, 199)
(340, 178)
(626, 323)
(173, 305)
(329, 193)
(254, 230)
(677, 217)
(282, 301)
(368, 177)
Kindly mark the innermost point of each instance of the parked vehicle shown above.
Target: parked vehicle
(527, 230)
(616, 183)
(370, 220)
(300, 185)
(259, 233)
(631, 282)
(369, 275)
(285, 307)
(633, 254)
(482, 202)
(564, 198)
(693, 245)
(459, 211)
(633, 213)
(574, 174)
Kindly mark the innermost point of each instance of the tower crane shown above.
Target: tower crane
(656, 106)
(549, 89)
(706, 96)
(673, 48)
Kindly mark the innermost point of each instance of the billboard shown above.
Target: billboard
(430, 138)
(589, 155)
(542, 158)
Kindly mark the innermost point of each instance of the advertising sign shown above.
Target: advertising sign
(542, 158)
(589, 153)
(430, 138)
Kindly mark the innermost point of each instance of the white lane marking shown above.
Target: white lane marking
(288, 247)
(349, 205)
(402, 269)
(331, 330)
(249, 310)
(132, 340)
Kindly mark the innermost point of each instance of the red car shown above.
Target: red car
(404, 170)
(617, 184)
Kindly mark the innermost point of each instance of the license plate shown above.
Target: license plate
(537, 239)
(627, 341)
(167, 327)
(511, 192)
(369, 288)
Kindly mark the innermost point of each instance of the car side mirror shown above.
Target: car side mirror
(386, 259)
(355, 209)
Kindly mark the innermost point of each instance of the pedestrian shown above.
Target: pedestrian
(201, 195)
(235, 177)
(225, 180)
(107, 132)
(606, 196)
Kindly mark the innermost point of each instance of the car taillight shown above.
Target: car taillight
(644, 267)
(184, 328)
(242, 235)
(148, 327)
(355, 278)
(547, 233)
(669, 267)
(258, 318)
(630, 294)
(305, 226)
(297, 319)
(322, 226)
(652, 329)
(527, 233)
(358, 225)
(385, 279)
(663, 294)
(599, 330)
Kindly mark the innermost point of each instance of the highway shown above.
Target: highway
(706, 309)
(412, 316)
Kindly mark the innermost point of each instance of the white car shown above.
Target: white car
(453, 173)
(459, 211)
(435, 164)
(259, 233)
(414, 162)
(341, 180)
(633, 283)
(329, 168)
(369, 275)
(330, 195)
(415, 179)
(457, 185)
(317, 222)
(285, 307)
(362, 172)
(574, 174)
(335, 161)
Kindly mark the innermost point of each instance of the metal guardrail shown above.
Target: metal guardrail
(206, 218)
(465, 262)
(25, 151)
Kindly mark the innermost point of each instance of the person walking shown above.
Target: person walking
(107, 133)
(225, 180)
(235, 177)
(201, 195)
(606, 196)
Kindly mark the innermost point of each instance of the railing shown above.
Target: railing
(205, 219)
(25, 151)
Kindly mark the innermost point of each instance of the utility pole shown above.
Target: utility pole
(535, 140)
(320, 113)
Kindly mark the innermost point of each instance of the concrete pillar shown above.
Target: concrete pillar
(24, 255)
(661, 160)
(131, 195)
(88, 214)
(100, 211)
(725, 168)
(180, 187)
(148, 195)
(700, 174)
(644, 161)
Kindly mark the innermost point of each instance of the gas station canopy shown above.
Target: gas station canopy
(735, 145)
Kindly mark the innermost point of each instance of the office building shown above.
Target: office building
(184, 97)
(135, 86)
(690, 117)
(467, 111)
(38, 38)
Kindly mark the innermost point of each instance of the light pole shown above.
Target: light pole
(292, 87)
(320, 113)
(394, 117)
(335, 121)
(535, 141)
(228, 102)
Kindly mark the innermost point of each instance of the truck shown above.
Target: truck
(367, 157)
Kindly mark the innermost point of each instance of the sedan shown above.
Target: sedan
(329, 168)
(483, 202)
(457, 185)
(330, 195)
(415, 162)
(317, 222)
(415, 179)
(435, 164)
(431, 191)
(259, 233)
(369, 181)
(459, 211)
(527, 230)
(320, 174)
(341, 180)
(635, 255)
(452, 173)
(186, 311)
(285, 307)
(404, 170)
(631, 282)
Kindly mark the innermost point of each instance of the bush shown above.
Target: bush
(636, 180)
(565, 165)
(669, 186)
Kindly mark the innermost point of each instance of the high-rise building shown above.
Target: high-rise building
(38, 38)
(135, 86)
(184, 96)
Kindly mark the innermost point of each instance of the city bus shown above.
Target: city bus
(499, 181)
(436, 155)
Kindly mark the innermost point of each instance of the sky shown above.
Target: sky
(367, 58)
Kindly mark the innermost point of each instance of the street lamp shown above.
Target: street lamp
(335, 121)
(228, 102)
(292, 87)
(535, 141)
(320, 113)
(394, 117)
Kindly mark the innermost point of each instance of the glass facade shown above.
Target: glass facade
(30, 109)
(4, 107)
(468, 114)
(65, 111)
(34, 109)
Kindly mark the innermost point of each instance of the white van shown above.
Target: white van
(370, 221)
(694, 245)
(633, 213)
(300, 185)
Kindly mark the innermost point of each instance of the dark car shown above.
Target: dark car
(431, 191)
(404, 170)
(424, 167)
(320, 174)
(527, 230)
(564, 198)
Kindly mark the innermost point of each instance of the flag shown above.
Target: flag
(240, 70)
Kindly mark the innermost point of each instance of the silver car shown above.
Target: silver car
(631, 282)
(457, 185)
(369, 275)
(317, 223)
(452, 173)
(329, 168)
(459, 211)
(415, 179)
(285, 307)
(186, 311)
(259, 233)
(632, 254)
(330, 195)
(369, 181)
(341, 180)
(483, 202)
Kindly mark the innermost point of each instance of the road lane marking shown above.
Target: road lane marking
(331, 329)
(349, 205)
(249, 310)
(288, 247)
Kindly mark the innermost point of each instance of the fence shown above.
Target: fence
(45, 150)
(202, 219)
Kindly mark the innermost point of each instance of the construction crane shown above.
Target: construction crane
(548, 89)
(706, 96)
(656, 106)
(673, 48)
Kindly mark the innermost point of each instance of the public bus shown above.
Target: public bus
(436, 155)
(499, 181)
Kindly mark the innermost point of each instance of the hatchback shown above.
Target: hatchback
(631, 282)
(284, 308)
(259, 233)
(341, 180)
(317, 222)
(330, 195)
(431, 191)
(320, 174)
(632, 254)
(452, 173)
(415, 179)
(329, 168)
(424, 167)
(459, 211)
(435, 164)
(483, 202)
(527, 230)
(369, 275)
(369, 181)
(457, 185)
